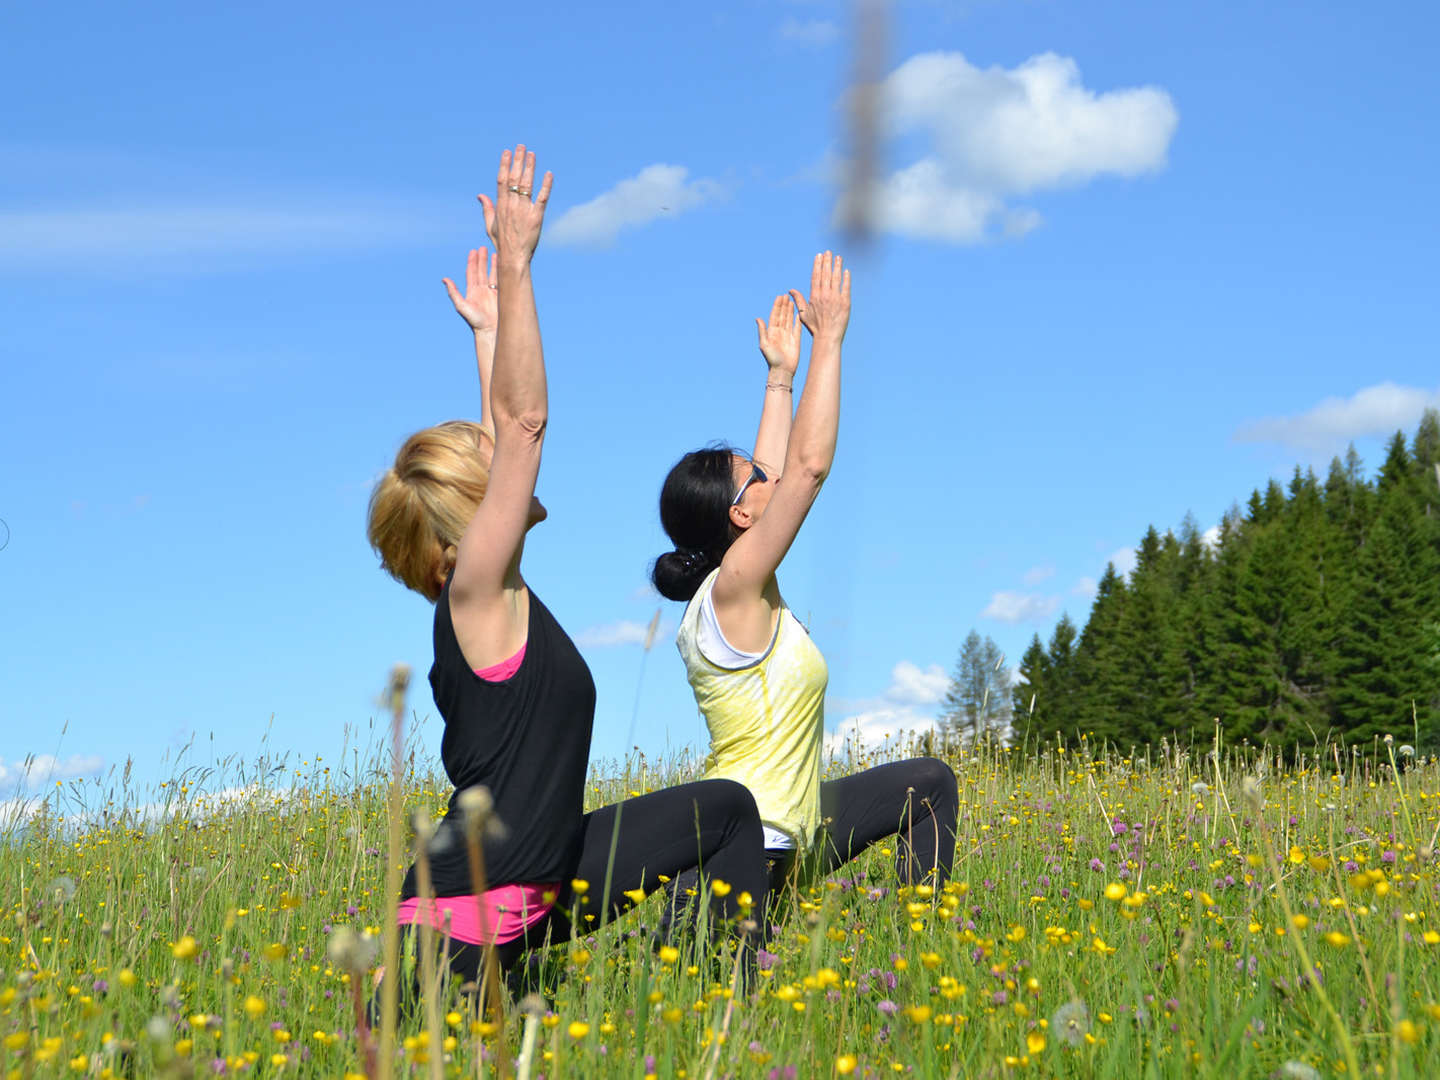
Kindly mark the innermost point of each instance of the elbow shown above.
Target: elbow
(529, 425)
(811, 469)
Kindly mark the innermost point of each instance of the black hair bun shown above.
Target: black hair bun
(677, 574)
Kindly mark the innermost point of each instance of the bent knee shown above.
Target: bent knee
(936, 779)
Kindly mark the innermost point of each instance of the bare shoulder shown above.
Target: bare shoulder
(490, 629)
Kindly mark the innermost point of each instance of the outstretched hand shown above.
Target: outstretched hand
(780, 339)
(826, 313)
(478, 306)
(513, 219)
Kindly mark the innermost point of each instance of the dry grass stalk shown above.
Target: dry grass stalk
(390, 988)
(430, 980)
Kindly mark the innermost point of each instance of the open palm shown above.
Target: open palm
(479, 305)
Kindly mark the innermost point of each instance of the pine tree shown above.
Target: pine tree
(1101, 665)
(1385, 674)
(1030, 703)
(978, 700)
(1061, 677)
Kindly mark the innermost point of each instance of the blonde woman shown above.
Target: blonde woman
(758, 678)
(449, 520)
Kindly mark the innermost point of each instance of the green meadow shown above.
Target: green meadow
(1207, 910)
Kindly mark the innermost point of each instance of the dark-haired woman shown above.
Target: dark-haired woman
(449, 519)
(757, 676)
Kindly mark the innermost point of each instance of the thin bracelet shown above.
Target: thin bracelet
(779, 386)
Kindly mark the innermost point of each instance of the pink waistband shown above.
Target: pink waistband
(496, 916)
(504, 669)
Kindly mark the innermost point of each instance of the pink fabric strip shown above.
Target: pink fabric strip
(503, 670)
(509, 910)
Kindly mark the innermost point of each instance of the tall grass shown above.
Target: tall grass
(1175, 911)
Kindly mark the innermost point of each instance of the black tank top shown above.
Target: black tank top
(527, 739)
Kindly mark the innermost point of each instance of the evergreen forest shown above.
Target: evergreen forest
(1314, 614)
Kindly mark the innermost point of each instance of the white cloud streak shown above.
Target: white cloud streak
(656, 191)
(997, 133)
(78, 239)
(1036, 574)
(1375, 410)
(1018, 607)
(40, 770)
(623, 632)
(809, 33)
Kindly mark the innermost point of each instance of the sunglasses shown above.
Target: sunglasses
(757, 476)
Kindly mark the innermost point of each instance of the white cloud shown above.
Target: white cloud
(1086, 586)
(40, 770)
(1211, 537)
(1036, 574)
(623, 632)
(998, 133)
(656, 191)
(1017, 607)
(1124, 560)
(191, 234)
(1376, 410)
(905, 706)
(812, 33)
(913, 685)
(876, 727)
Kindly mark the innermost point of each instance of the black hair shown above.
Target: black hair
(695, 513)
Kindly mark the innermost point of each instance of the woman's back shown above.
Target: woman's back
(527, 739)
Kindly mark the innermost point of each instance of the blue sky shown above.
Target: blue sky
(1133, 259)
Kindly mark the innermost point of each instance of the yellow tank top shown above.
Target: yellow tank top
(766, 720)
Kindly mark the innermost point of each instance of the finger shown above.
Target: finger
(799, 303)
(815, 274)
(493, 259)
(489, 208)
(517, 163)
(791, 315)
(845, 288)
(836, 276)
(504, 175)
(777, 312)
(544, 195)
(760, 326)
(452, 290)
(527, 173)
(472, 271)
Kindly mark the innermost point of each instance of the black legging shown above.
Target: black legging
(915, 799)
(709, 824)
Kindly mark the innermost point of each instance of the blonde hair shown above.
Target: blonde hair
(422, 505)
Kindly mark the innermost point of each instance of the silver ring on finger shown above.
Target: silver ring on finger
(515, 188)
(524, 191)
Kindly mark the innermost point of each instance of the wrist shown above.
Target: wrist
(486, 333)
(512, 264)
(779, 375)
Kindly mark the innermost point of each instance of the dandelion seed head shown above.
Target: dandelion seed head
(1071, 1022)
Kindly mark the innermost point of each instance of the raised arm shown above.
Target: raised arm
(753, 558)
(479, 307)
(485, 591)
(780, 345)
